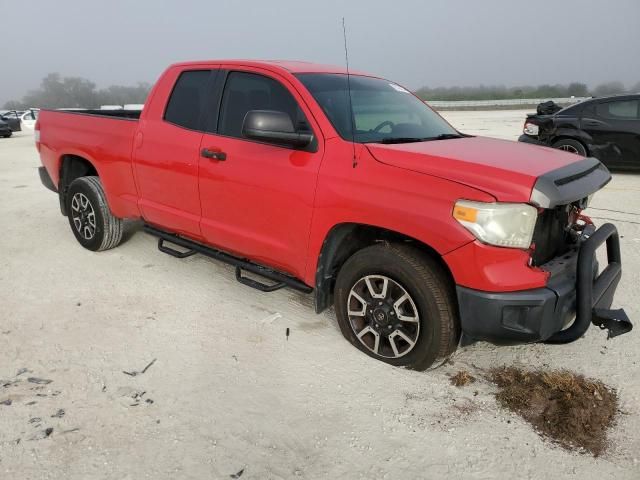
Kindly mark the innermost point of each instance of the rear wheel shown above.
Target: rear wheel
(571, 146)
(92, 223)
(396, 304)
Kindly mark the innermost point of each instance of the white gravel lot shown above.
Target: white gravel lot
(229, 392)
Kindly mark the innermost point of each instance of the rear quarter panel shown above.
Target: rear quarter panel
(104, 142)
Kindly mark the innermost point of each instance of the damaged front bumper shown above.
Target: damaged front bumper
(574, 291)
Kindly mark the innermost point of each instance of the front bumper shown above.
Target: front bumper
(524, 138)
(574, 291)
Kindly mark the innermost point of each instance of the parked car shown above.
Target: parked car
(349, 187)
(606, 128)
(5, 129)
(12, 118)
(28, 118)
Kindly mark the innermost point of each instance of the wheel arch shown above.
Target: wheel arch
(345, 239)
(71, 167)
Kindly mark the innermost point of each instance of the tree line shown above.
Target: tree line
(56, 91)
(500, 92)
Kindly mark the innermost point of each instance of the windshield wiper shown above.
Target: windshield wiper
(442, 136)
(389, 140)
(445, 136)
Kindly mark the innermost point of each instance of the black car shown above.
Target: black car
(607, 128)
(12, 118)
(5, 129)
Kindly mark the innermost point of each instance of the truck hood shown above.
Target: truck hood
(507, 170)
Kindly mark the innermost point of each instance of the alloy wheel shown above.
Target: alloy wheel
(383, 316)
(569, 148)
(83, 215)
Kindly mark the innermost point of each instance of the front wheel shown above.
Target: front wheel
(92, 223)
(397, 305)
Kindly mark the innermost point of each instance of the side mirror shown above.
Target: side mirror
(274, 127)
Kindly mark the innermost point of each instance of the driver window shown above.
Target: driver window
(248, 91)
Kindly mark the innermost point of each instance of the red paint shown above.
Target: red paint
(276, 205)
(492, 269)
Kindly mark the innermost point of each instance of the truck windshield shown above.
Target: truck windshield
(383, 112)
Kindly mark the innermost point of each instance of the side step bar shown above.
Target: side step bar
(191, 248)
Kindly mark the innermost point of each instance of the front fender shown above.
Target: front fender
(409, 203)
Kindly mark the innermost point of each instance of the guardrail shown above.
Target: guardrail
(513, 102)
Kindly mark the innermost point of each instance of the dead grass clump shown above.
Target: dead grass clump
(570, 409)
(462, 378)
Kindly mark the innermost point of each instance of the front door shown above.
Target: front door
(257, 198)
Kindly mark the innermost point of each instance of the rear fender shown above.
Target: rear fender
(71, 165)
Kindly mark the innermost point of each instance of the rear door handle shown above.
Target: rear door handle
(213, 154)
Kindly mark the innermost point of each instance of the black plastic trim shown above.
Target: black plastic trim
(46, 179)
(126, 115)
(509, 317)
(570, 183)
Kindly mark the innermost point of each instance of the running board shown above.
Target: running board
(191, 248)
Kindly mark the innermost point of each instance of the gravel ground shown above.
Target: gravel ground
(228, 392)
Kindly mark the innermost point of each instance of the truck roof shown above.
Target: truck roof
(291, 66)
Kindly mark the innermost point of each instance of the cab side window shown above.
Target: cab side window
(244, 92)
(185, 104)
(620, 110)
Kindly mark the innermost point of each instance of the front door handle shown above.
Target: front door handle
(213, 154)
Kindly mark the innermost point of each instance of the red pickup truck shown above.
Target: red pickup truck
(348, 186)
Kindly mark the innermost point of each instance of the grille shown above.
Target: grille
(552, 235)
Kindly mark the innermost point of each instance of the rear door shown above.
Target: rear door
(166, 151)
(257, 202)
(614, 126)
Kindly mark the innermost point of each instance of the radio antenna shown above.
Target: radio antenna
(351, 118)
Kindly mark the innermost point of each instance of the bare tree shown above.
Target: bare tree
(75, 92)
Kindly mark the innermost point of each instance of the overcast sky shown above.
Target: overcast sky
(413, 42)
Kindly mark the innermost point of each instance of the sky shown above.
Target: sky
(415, 43)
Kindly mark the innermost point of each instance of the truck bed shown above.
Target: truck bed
(104, 138)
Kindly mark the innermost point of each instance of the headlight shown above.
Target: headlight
(531, 129)
(501, 224)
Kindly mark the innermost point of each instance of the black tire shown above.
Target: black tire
(8, 135)
(571, 146)
(105, 231)
(430, 291)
